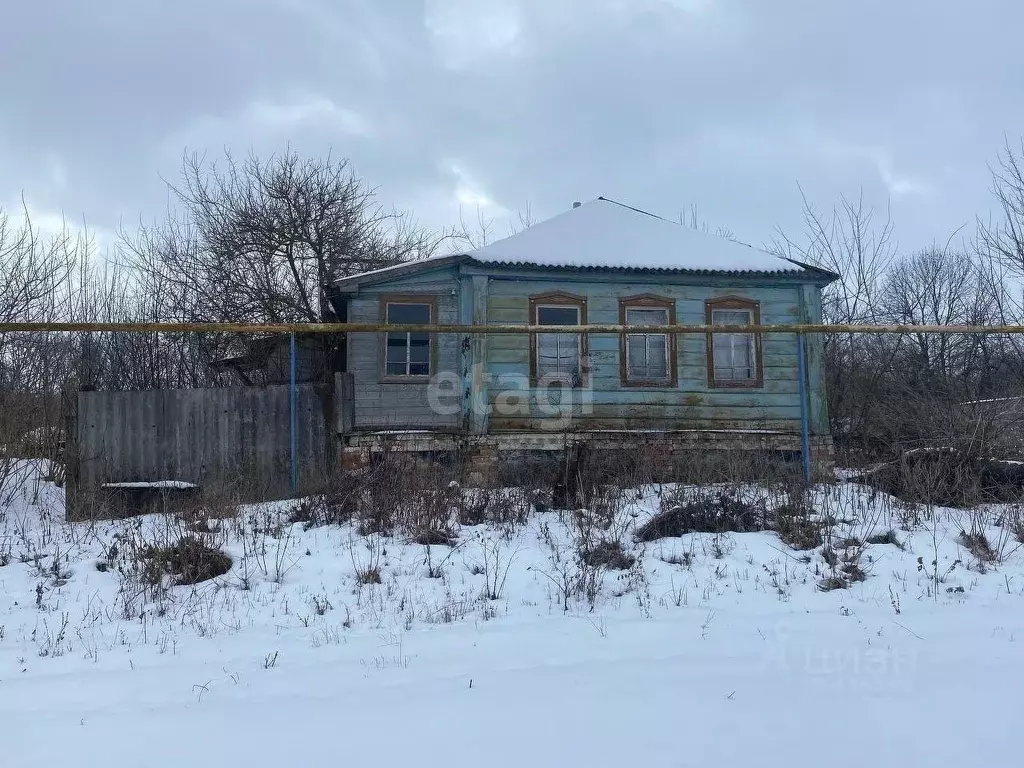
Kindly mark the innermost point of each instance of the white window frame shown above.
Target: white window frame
(387, 302)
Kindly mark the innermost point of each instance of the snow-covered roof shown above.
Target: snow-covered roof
(604, 234)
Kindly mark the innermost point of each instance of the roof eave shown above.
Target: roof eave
(825, 276)
(352, 283)
(803, 273)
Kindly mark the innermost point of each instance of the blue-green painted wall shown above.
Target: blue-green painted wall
(503, 296)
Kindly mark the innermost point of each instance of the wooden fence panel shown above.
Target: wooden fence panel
(238, 438)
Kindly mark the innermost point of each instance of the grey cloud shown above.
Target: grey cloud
(726, 104)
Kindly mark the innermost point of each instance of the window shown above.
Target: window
(558, 356)
(735, 358)
(647, 359)
(407, 354)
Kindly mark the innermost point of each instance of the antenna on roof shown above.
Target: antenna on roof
(577, 204)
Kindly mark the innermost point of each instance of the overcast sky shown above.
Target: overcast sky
(723, 104)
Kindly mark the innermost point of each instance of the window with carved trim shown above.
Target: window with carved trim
(734, 359)
(648, 359)
(558, 357)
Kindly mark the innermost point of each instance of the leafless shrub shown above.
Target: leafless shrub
(367, 567)
(509, 508)
(593, 545)
(384, 488)
(947, 476)
(1011, 524)
(53, 642)
(608, 554)
(850, 567)
(472, 507)
(974, 525)
(496, 561)
(564, 571)
(685, 559)
(703, 509)
(977, 543)
(368, 575)
(795, 522)
(436, 570)
(429, 515)
(267, 547)
(757, 467)
(187, 561)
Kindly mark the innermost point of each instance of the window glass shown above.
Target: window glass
(733, 352)
(558, 315)
(647, 356)
(558, 354)
(407, 354)
(412, 314)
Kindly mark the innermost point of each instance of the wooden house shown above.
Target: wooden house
(601, 262)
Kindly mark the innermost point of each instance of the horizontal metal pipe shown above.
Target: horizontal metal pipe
(276, 328)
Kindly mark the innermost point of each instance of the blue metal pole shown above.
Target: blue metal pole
(293, 414)
(805, 437)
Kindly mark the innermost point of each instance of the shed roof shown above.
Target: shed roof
(603, 234)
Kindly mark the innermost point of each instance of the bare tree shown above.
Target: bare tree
(36, 285)
(465, 237)
(690, 217)
(1004, 238)
(999, 249)
(941, 286)
(887, 392)
(848, 241)
(261, 240)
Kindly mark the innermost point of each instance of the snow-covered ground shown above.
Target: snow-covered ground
(711, 650)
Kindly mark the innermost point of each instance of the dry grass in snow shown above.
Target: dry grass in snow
(351, 623)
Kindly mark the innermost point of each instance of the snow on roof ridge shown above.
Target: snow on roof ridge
(608, 234)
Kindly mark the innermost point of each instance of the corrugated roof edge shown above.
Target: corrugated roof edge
(658, 270)
(825, 273)
(385, 273)
(352, 282)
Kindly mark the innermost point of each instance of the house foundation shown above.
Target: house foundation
(518, 458)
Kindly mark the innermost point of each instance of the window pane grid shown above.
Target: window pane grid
(558, 354)
(407, 354)
(647, 355)
(733, 354)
